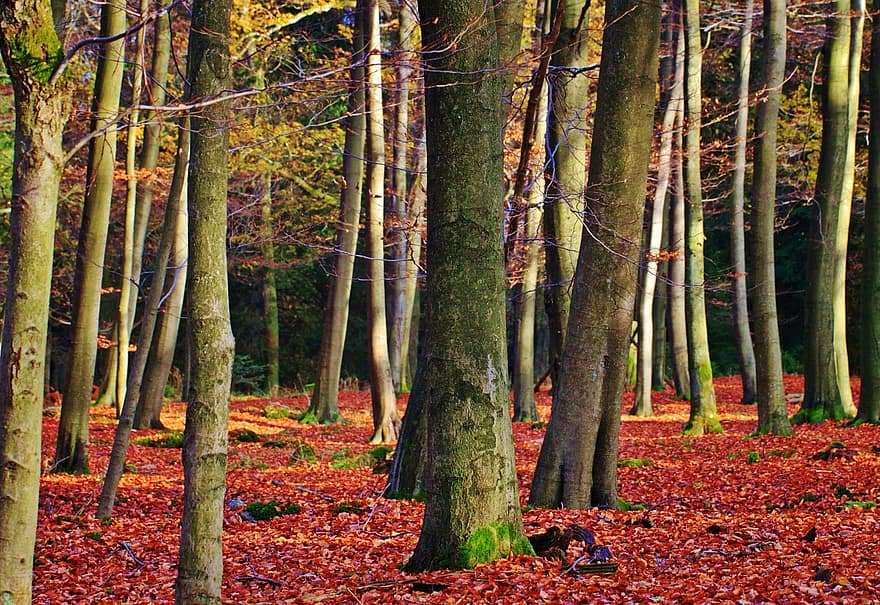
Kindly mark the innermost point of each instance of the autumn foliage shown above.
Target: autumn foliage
(721, 518)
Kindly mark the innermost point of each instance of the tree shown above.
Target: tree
(772, 409)
(869, 402)
(269, 291)
(72, 448)
(32, 51)
(386, 421)
(200, 568)
(826, 383)
(324, 406)
(703, 416)
(566, 171)
(744, 348)
(472, 509)
(577, 466)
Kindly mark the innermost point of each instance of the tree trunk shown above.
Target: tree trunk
(200, 567)
(324, 406)
(644, 379)
(386, 421)
(577, 466)
(72, 448)
(869, 401)
(174, 241)
(472, 509)
(825, 394)
(704, 416)
(121, 438)
(270, 293)
(772, 409)
(31, 52)
(744, 348)
(566, 173)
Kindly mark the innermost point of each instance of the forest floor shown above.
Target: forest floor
(727, 519)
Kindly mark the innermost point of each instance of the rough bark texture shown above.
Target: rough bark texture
(742, 332)
(386, 421)
(72, 448)
(270, 293)
(31, 51)
(869, 402)
(472, 510)
(823, 397)
(772, 409)
(566, 172)
(577, 466)
(200, 567)
(324, 406)
(704, 416)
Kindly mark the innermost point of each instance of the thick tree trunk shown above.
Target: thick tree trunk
(31, 51)
(472, 509)
(200, 567)
(772, 409)
(644, 366)
(72, 448)
(577, 466)
(742, 332)
(869, 401)
(704, 416)
(324, 406)
(386, 421)
(825, 394)
(566, 172)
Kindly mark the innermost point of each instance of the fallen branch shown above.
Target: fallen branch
(314, 493)
(127, 547)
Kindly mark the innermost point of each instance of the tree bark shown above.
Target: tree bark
(324, 406)
(472, 508)
(72, 448)
(772, 409)
(869, 401)
(742, 332)
(200, 567)
(31, 52)
(825, 394)
(577, 466)
(270, 293)
(703, 416)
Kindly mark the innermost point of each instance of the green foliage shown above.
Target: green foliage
(94, 535)
(246, 436)
(626, 507)
(634, 462)
(263, 511)
(857, 504)
(171, 439)
(347, 507)
(248, 376)
(302, 452)
(275, 411)
(344, 460)
(841, 490)
(246, 462)
(752, 457)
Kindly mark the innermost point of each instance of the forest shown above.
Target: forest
(439, 301)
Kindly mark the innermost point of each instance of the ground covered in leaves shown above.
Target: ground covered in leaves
(721, 518)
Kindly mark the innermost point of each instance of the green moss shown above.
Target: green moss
(702, 425)
(493, 542)
(752, 457)
(634, 462)
(246, 436)
(173, 439)
(626, 507)
(38, 52)
(263, 511)
(274, 411)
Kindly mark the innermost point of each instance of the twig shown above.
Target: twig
(255, 576)
(571, 567)
(127, 547)
(314, 493)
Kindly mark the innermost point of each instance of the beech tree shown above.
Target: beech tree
(472, 510)
(577, 466)
(32, 51)
(200, 566)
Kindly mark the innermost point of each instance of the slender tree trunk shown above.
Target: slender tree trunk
(472, 509)
(825, 395)
(31, 52)
(644, 380)
(147, 383)
(386, 422)
(772, 409)
(659, 357)
(577, 466)
(72, 448)
(200, 567)
(324, 406)
(704, 416)
(677, 320)
(869, 401)
(270, 293)
(744, 348)
(121, 438)
(566, 173)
